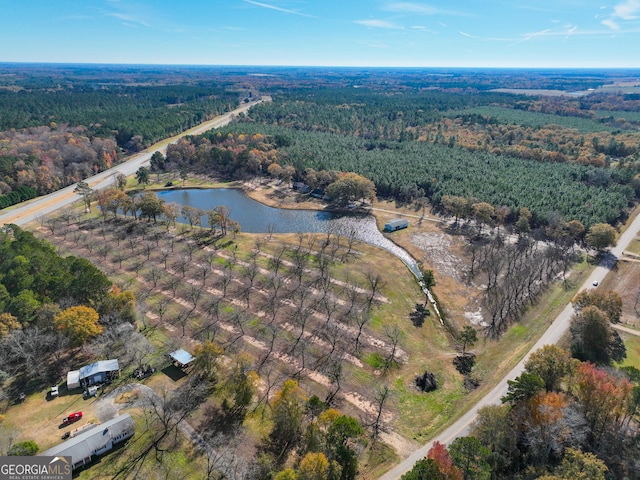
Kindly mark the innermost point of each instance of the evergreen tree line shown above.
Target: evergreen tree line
(151, 112)
(21, 194)
(410, 170)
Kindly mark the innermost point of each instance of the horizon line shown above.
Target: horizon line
(406, 67)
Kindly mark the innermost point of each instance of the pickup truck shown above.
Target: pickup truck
(74, 417)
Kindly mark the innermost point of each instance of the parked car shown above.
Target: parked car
(54, 392)
(74, 417)
(596, 283)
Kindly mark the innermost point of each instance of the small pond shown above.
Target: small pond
(254, 217)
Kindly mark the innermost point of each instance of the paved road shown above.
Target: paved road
(28, 211)
(553, 334)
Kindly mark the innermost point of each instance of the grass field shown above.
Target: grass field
(632, 342)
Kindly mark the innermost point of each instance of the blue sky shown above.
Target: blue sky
(463, 33)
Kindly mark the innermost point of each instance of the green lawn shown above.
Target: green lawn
(632, 342)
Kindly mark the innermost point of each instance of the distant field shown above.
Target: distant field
(536, 119)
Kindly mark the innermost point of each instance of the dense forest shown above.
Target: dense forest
(57, 129)
(410, 170)
(414, 133)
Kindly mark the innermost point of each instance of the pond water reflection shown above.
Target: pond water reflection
(255, 217)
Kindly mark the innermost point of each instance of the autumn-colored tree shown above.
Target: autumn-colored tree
(79, 323)
(603, 400)
(439, 454)
(600, 236)
(287, 474)
(171, 211)
(275, 170)
(314, 466)
(551, 363)
(549, 427)
(457, 207)
(207, 357)
(483, 213)
(118, 306)
(7, 323)
(110, 200)
(523, 224)
(577, 465)
(191, 214)
(609, 301)
(576, 230)
(351, 187)
(288, 412)
(150, 206)
(223, 218)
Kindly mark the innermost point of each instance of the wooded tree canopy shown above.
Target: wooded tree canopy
(351, 187)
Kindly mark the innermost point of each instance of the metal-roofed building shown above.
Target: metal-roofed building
(397, 224)
(95, 441)
(181, 357)
(92, 374)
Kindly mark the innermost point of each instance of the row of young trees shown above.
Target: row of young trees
(211, 284)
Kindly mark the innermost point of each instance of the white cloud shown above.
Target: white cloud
(379, 24)
(626, 11)
(279, 9)
(129, 19)
(418, 8)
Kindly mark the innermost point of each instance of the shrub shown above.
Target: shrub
(24, 449)
(464, 363)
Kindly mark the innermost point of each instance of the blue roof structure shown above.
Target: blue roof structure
(182, 356)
